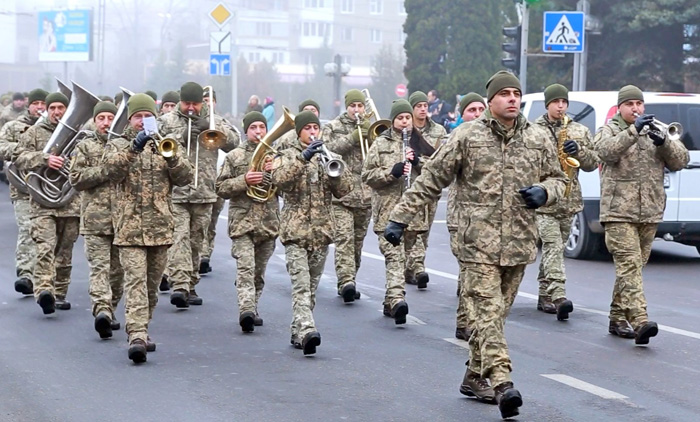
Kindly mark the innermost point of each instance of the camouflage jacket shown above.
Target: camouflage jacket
(632, 177)
(587, 157)
(9, 114)
(387, 190)
(490, 165)
(174, 125)
(143, 202)
(307, 217)
(29, 156)
(9, 140)
(245, 216)
(433, 133)
(286, 141)
(337, 135)
(89, 175)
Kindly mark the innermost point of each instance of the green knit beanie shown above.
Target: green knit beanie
(152, 94)
(472, 97)
(118, 97)
(304, 118)
(37, 95)
(310, 102)
(555, 92)
(252, 117)
(104, 106)
(170, 97)
(400, 106)
(629, 92)
(501, 80)
(354, 96)
(56, 97)
(140, 102)
(417, 97)
(192, 91)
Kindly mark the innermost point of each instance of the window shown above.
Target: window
(347, 6)
(309, 60)
(253, 57)
(263, 29)
(278, 57)
(313, 4)
(346, 34)
(402, 8)
(347, 59)
(375, 7)
(375, 35)
(316, 29)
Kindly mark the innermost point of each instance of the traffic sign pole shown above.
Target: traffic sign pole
(524, 31)
(581, 60)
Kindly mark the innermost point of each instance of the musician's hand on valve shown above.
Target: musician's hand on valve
(140, 141)
(314, 148)
(398, 170)
(571, 147)
(411, 156)
(534, 196)
(643, 120)
(268, 164)
(55, 162)
(253, 178)
(394, 232)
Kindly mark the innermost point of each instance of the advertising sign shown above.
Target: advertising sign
(65, 36)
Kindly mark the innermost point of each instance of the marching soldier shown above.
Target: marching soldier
(89, 175)
(169, 102)
(14, 110)
(253, 226)
(143, 221)
(435, 135)
(352, 213)
(471, 107)
(306, 223)
(54, 230)
(504, 169)
(388, 170)
(634, 153)
(192, 205)
(554, 222)
(25, 252)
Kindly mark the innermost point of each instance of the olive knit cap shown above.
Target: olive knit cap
(417, 97)
(192, 91)
(472, 97)
(501, 80)
(252, 117)
(400, 106)
(37, 95)
(170, 97)
(102, 107)
(555, 92)
(354, 96)
(629, 92)
(56, 97)
(310, 102)
(140, 102)
(304, 118)
(152, 94)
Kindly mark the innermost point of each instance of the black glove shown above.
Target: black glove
(199, 125)
(534, 196)
(140, 141)
(657, 138)
(311, 150)
(643, 120)
(397, 170)
(393, 232)
(415, 160)
(571, 147)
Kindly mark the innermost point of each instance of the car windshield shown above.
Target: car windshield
(687, 115)
(579, 112)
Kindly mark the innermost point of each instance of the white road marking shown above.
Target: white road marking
(410, 319)
(584, 386)
(461, 343)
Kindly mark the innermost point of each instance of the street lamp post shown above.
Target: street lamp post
(337, 69)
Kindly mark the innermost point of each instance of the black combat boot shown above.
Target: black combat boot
(621, 328)
(62, 303)
(473, 385)
(463, 333)
(348, 292)
(564, 308)
(358, 295)
(204, 266)
(508, 399)
(103, 325)
(544, 304)
(115, 324)
(150, 345)
(422, 280)
(257, 321)
(645, 331)
(47, 302)
(295, 342)
(137, 351)
(179, 298)
(24, 286)
(399, 312)
(194, 299)
(387, 310)
(247, 321)
(410, 279)
(164, 285)
(310, 342)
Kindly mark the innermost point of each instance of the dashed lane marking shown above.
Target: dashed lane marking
(585, 386)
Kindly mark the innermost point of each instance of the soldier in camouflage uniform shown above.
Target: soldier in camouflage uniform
(471, 107)
(89, 175)
(435, 135)
(252, 225)
(385, 172)
(25, 253)
(169, 102)
(632, 203)
(306, 223)
(54, 230)
(504, 168)
(143, 220)
(554, 222)
(14, 110)
(353, 212)
(192, 206)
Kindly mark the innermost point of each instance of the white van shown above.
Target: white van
(682, 215)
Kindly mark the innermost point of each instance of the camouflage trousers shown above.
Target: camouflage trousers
(143, 269)
(25, 252)
(415, 262)
(554, 232)
(106, 273)
(492, 290)
(208, 247)
(191, 225)
(464, 318)
(630, 246)
(350, 231)
(251, 254)
(395, 266)
(54, 238)
(305, 267)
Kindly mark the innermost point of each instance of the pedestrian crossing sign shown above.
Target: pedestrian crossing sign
(563, 32)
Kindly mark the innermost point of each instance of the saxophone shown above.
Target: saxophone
(568, 164)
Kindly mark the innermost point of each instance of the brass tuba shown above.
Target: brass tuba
(51, 188)
(568, 164)
(121, 119)
(263, 152)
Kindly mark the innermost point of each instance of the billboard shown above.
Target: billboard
(65, 36)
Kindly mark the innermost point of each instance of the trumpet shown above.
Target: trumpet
(674, 130)
(167, 147)
(333, 166)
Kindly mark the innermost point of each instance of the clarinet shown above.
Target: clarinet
(404, 137)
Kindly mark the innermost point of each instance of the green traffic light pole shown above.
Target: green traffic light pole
(524, 30)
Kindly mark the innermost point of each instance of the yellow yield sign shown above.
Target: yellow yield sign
(220, 15)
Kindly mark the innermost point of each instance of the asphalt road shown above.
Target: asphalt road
(56, 368)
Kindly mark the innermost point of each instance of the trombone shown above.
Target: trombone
(211, 139)
(370, 112)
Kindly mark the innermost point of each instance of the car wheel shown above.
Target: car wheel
(582, 242)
